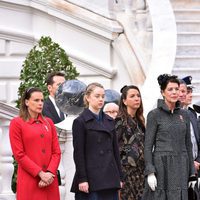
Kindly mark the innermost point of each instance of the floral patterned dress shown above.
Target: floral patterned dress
(131, 147)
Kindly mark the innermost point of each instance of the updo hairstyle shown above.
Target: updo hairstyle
(164, 79)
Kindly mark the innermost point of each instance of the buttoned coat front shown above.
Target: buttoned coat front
(35, 147)
(96, 153)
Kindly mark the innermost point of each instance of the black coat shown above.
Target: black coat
(50, 111)
(194, 121)
(96, 153)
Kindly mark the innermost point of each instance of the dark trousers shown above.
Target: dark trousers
(100, 195)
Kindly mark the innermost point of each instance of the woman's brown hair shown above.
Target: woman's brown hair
(123, 109)
(23, 112)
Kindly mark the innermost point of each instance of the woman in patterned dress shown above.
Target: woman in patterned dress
(130, 130)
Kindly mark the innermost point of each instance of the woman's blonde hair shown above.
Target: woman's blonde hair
(90, 88)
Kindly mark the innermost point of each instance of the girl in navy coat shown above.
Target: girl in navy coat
(96, 154)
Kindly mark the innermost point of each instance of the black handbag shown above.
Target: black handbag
(59, 178)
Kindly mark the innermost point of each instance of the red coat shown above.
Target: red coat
(35, 147)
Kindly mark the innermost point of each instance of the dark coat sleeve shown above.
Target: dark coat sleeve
(150, 137)
(198, 128)
(189, 146)
(194, 121)
(116, 154)
(79, 137)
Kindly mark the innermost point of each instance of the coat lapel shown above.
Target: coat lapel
(105, 126)
(53, 110)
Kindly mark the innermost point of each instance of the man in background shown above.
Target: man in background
(190, 87)
(185, 97)
(111, 109)
(182, 93)
(50, 109)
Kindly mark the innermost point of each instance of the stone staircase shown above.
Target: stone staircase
(187, 62)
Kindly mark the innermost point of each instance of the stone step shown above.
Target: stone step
(186, 71)
(188, 49)
(188, 37)
(195, 97)
(197, 85)
(185, 4)
(187, 14)
(188, 61)
(188, 25)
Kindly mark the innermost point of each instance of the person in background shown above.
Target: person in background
(182, 93)
(35, 146)
(194, 127)
(111, 109)
(96, 155)
(130, 128)
(168, 149)
(50, 109)
(190, 87)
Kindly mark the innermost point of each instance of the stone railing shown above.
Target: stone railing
(6, 160)
(66, 166)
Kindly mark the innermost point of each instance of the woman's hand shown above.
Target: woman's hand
(42, 184)
(84, 187)
(196, 165)
(46, 177)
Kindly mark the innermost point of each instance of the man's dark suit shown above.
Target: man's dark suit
(194, 121)
(50, 111)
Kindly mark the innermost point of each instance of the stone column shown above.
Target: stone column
(69, 166)
(62, 136)
(66, 167)
(6, 160)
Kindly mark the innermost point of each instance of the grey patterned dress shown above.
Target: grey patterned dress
(168, 135)
(131, 148)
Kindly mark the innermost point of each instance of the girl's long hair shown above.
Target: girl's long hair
(123, 108)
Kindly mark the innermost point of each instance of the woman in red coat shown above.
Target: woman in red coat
(36, 148)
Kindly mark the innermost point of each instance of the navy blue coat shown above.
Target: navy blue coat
(96, 153)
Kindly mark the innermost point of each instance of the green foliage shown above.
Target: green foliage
(44, 58)
(14, 176)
